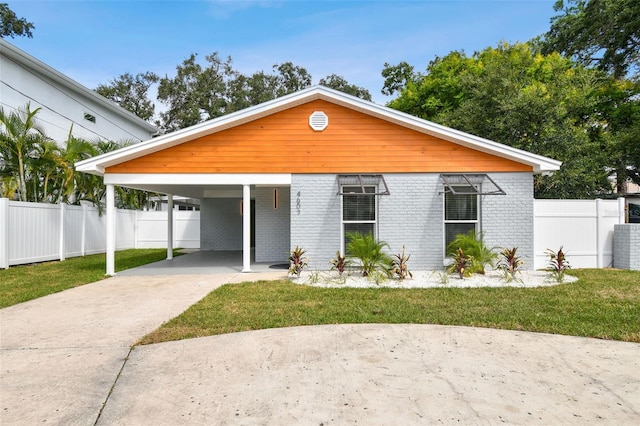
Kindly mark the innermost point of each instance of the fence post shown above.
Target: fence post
(599, 241)
(4, 233)
(83, 231)
(622, 210)
(62, 232)
(135, 228)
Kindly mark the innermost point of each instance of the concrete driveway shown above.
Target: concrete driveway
(67, 359)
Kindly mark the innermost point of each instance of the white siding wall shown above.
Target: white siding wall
(62, 107)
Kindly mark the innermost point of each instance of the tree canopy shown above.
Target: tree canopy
(132, 93)
(202, 90)
(545, 104)
(11, 25)
(600, 33)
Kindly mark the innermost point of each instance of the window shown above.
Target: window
(460, 212)
(358, 210)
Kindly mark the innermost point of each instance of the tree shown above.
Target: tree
(396, 77)
(291, 78)
(196, 93)
(20, 135)
(132, 93)
(337, 82)
(11, 25)
(604, 33)
(619, 110)
(544, 104)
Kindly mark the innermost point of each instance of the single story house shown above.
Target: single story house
(305, 169)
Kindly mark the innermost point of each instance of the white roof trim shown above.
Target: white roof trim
(36, 65)
(269, 179)
(96, 165)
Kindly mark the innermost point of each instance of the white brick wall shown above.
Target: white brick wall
(272, 225)
(315, 217)
(626, 246)
(220, 224)
(507, 220)
(412, 215)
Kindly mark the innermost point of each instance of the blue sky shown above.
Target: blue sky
(96, 41)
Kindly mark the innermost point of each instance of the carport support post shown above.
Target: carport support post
(170, 227)
(246, 228)
(111, 230)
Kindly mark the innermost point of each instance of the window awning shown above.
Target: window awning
(470, 184)
(362, 181)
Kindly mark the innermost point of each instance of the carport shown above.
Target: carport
(200, 186)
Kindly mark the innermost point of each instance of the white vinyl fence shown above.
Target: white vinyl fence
(37, 232)
(32, 232)
(583, 228)
(151, 229)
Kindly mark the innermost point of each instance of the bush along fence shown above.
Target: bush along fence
(33, 232)
(38, 232)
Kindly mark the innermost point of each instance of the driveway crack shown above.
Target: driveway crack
(104, 404)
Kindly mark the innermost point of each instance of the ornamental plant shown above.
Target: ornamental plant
(461, 264)
(558, 264)
(399, 267)
(369, 251)
(297, 261)
(473, 245)
(340, 263)
(510, 264)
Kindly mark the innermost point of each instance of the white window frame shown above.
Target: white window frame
(343, 249)
(445, 222)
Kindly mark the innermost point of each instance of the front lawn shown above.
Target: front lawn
(603, 304)
(26, 282)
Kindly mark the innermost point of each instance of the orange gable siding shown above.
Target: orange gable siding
(284, 143)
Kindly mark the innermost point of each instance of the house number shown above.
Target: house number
(298, 202)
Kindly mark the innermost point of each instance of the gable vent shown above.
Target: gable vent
(318, 121)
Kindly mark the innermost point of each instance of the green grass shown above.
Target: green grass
(26, 282)
(603, 304)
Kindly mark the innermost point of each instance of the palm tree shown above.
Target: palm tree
(45, 167)
(74, 186)
(19, 136)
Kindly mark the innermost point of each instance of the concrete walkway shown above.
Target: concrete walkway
(66, 359)
(60, 355)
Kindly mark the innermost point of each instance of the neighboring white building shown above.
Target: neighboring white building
(24, 79)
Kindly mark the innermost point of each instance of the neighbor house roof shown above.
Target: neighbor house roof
(31, 63)
(97, 165)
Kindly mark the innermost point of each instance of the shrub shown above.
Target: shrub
(364, 247)
(473, 246)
